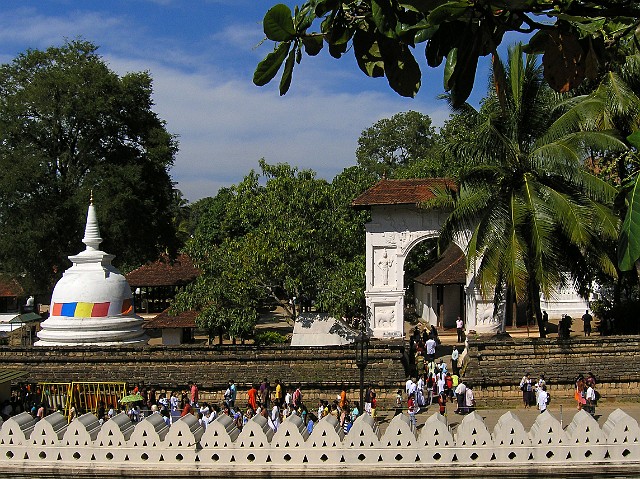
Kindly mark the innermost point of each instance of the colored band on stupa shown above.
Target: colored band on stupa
(92, 310)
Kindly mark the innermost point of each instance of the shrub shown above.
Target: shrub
(269, 337)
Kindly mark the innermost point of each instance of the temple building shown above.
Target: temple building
(92, 303)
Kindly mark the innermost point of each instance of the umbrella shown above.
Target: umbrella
(131, 398)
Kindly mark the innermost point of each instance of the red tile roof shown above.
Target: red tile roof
(9, 287)
(164, 272)
(186, 319)
(451, 268)
(400, 192)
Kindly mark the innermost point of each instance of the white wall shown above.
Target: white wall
(171, 336)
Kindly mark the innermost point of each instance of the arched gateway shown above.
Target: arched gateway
(397, 225)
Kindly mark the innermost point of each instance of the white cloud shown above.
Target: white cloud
(28, 26)
(226, 124)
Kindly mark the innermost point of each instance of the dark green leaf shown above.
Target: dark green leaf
(325, 6)
(433, 52)
(634, 139)
(278, 24)
(336, 51)
(464, 74)
(367, 54)
(339, 31)
(423, 6)
(268, 68)
(298, 49)
(448, 12)
(537, 43)
(442, 41)
(285, 81)
(312, 45)
(449, 67)
(384, 17)
(424, 34)
(304, 18)
(401, 69)
(629, 241)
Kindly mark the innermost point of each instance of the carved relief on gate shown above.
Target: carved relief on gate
(384, 266)
(384, 316)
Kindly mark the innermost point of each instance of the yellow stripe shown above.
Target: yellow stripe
(83, 310)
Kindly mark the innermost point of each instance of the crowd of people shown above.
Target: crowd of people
(433, 382)
(534, 393)
(437, 386)
(275, 402)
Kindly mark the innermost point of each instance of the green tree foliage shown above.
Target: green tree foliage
(532, 210)
(395, 142)
(576, 37)
(276, 235)
(440, 161)
(69, 125)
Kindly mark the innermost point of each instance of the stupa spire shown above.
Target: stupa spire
(92, 231)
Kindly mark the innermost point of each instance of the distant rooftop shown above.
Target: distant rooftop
(401, 192)
(451, 268)
(164, 272)
(186, 319)
(9, 287)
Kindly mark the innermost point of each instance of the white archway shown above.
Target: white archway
(393, 231)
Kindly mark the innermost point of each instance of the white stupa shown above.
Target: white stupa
(92, 303)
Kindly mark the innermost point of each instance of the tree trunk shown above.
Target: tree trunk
(509, 316)
(534, 302)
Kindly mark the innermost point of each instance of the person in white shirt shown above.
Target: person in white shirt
(460, 329)
(431, 349)
(441, 383)
(543, 397)
(470, 401)
(412, 387)
(461, 391)
(454, 360)
(174, 401)
(591, 400)
(407, 386)
(420, 392)
(274, 418)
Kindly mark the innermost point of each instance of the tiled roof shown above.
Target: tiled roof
(401, 192)
(9, 287)
(451, 268)
(164, 272)
(186, 319)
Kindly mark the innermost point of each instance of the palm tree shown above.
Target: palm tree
(532, 211)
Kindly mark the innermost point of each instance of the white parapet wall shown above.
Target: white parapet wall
(148, 448)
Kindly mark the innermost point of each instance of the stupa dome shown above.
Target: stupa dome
(92, 303)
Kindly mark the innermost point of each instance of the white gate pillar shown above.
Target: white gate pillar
(390, 236)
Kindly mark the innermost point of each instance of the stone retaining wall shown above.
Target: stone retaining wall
(321, 371)
(495, 367)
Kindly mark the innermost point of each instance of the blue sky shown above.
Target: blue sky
(201, 56)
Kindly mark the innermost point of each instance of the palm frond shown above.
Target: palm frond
(573, 219)
(540, 222)
(605, 222)
(619, 98)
